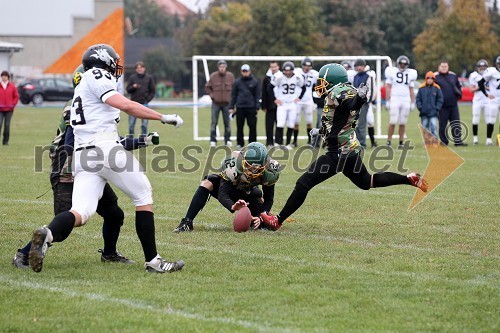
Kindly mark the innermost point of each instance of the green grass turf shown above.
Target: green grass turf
(353, 261)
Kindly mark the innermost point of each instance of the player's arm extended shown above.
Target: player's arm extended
(268, 195)
(132, 108)
(224, 194)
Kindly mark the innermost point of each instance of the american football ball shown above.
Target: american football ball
(242, 220)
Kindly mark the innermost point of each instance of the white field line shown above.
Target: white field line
(139, 305)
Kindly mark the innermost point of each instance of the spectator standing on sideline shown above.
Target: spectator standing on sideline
(141, 87)
(8, 101)
(245, 98)
(268, 105)
(363, 77)
(218, 88)
(429, 102)
(452, 92)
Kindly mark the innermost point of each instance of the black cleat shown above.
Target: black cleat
(115, 257)
(185, 225)
(20, 260)
(40, 242)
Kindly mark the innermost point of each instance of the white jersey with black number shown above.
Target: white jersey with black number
(286, 89)
(91, 117)
(479, 96)
(310, 79)
(351, 73)
(400, 81)
(492, 78)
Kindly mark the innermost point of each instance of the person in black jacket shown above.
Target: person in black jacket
(245, 97)
(452, 92)
(141, 87)
(268, 105)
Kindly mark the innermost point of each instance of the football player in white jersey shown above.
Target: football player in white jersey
(480, 100)
(288, 89)
(400, 97)
(306, 104)
(99, 157)
(491, 78)
(370, 117)
(350, 72)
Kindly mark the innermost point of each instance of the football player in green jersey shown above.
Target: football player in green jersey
(340, 113)
(237, 185)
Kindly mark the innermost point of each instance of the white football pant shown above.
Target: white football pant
(400, 111)
(286, 114)
(307, 110)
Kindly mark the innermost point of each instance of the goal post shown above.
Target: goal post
(205, 58)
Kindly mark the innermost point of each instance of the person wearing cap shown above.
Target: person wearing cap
(142, 89)
(8, 101)
(479, 101)
(429, 101)
(452, 92)
(245, 97)
(219, 88)
(363, 77)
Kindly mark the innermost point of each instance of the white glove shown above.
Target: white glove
(388, 105)
(172, 119)
(152, 139)
(314, 132)
(363, 90)
(412, 107)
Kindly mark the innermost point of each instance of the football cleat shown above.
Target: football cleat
(115, 257)
(20, 260)
(417, 181)
(163, 266)
(270, 221)
(185, 225)
(40, 242)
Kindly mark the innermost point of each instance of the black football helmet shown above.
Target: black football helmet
(403, 62)
(481, 66)
(288, 68)
(306, 62)
(102, 56)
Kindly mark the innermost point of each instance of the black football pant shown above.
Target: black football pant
(270, 126)
(250, 114)
(328, 165)
(5, 118)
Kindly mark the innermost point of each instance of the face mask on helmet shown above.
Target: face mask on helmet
(329, 76)
(254, 160)
(403, 62)
(481, 66)
(77, 75)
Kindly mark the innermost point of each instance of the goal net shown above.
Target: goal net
(206, 58)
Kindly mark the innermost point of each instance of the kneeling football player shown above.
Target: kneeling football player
(237, 185)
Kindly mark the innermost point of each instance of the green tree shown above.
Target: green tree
(148, 20)
(461, 34)
(165, 63)
(495, 18)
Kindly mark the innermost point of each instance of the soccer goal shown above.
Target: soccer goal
(206, 58)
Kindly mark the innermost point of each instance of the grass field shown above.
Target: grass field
(353, 261)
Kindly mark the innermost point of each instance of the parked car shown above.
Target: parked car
(37, 91)
(467, 93)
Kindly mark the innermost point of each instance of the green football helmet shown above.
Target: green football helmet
(254, 160)
(77, 75)
(329, 76)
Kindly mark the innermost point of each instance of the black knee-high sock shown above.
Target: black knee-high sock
(61, 226)
(279, 135)
(389, 178)
(371, 133)
(26, 250)
(289, 132)
(475, 129)
(199, 200)
(145, 227)
(308, 136)
(489, 130)
(295, 135)
(110, 234)
(295, 200)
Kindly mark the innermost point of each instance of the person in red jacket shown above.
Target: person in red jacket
(8, 101)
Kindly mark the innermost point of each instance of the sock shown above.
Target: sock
(199, 200)
(308, 136)
(489, 130)
(371, 133)
(295, 135)
(389, 178)
(62, 225)
(26, 250)
(289, 132)
(145, 227)
(110, 234)
(279, 135)
(475, 129)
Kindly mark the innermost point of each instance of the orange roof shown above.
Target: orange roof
(109, 31)
(172, 7)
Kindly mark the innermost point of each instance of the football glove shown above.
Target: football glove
(172, 119)
(363, 90)
(412, 107)
(152, 138)
(388, 105)
(314, 132)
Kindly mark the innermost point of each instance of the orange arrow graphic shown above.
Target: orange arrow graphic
(443, 161)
